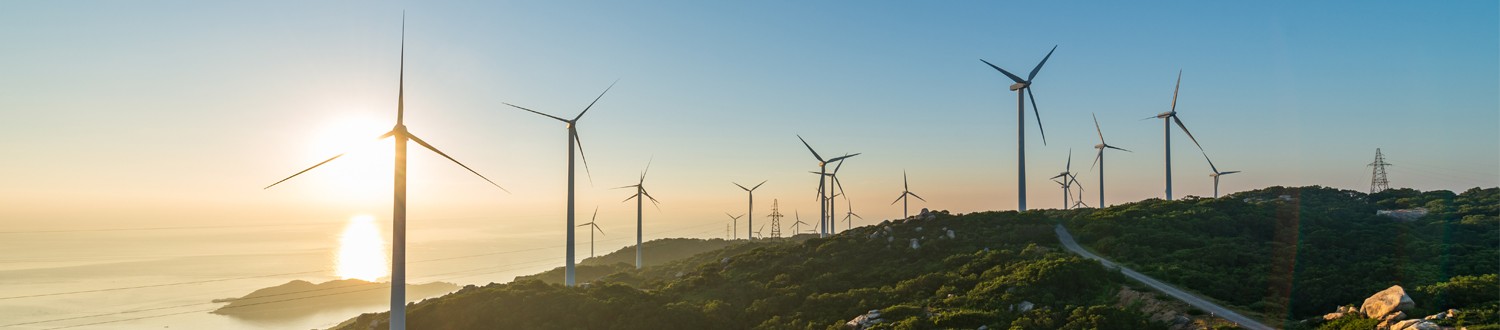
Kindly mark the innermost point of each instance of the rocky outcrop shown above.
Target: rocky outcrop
(1389, 301)
(864, 321)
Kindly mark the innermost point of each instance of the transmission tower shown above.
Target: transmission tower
(728, 229)
(775, 218)
(1378, 181)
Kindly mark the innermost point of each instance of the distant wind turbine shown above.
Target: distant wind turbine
(836, 187)
(573, 140)
(1022, 87)
(1099, 158)
(640, 190)
(1067, 178)
(823, 170)
(905, 193)
(757, 231)
(593, 222)
(1216, 174)
(849, 217)
(398, 213)
(796, 227)
(1167, 119)
(734, 222)
(750, 210)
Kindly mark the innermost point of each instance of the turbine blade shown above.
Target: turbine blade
(1059, 175)
(601, 230)
(418, 140)
(1069, 167)
(1175, 89)
(915, 195)
(596, 100)
(382, 136)
(1007, 73)
(841, 158)
(757, 186)
(1116, 148)
(652, 198)
(809, 148)
(579, 142)
(1037, 113)
(1185, 130)
(535, 112)
(647, 170)
(596, 215)
(741, 187)
(1096, 158)
(1210, 163)
(1097, 129)
(627, 199)
(898, 199)
(1229, 172)
(1039, 65)
(630, 186)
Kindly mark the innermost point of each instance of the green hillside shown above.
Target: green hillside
(654, 253)
(1297, 253)
(993, 263)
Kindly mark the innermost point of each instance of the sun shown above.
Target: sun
(364, 172)
(361, 251)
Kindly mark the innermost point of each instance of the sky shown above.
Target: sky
(178, 113)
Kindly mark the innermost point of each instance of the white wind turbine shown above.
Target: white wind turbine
(572, 126)
(1099, 158)
(823, 196)
(750, 210)
(640, 190)
(1022, 87)
(1167, 119)
(593, 222)
(905, 192)
(1216, 174)
(398, 212)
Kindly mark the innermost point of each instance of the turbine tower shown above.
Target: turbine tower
(905, 191)
(775, 219)
(593, 223)
(573, 141)
(1216, 174)
(1167, 119)
(398, 203)
(823, 170)
(1022, 87)
(1099, 158)
(749, 210)
(1378, 182)
(640, 190)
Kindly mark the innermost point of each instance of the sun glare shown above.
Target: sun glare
(361, 250)
(365, 170)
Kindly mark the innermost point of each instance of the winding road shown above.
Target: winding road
(1220, 311)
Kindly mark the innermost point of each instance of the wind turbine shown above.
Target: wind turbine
(796, 227)
(905, 192)
(592, 222)
(823, 170)
(1216, 174)
(398, 205)
(1167, 119)
(1066, 176)
(750, 222)
(573, 140)
(1099, 158)
(734, 222)
(640, 190)
(757, 231)
(849, 217)
(1023, 89)
(836, 188)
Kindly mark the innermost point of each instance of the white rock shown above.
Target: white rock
(1390, 300)
(915, 245)
(950, 233)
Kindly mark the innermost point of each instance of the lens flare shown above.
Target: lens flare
(361, 250)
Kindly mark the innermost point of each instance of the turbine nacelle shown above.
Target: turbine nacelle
(1019, 85)
(1166, 114)
(1099, 146)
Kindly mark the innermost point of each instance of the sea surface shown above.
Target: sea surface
(156, 278)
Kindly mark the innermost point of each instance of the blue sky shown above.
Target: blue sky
(183, 110)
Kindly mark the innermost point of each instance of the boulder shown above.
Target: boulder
(950, 233)
(915, 244)
(864, 321)
(1332, 316)
(1415, 324)
(1390, 319)
(1385, 302)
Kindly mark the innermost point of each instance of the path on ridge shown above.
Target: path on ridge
(1220, 311)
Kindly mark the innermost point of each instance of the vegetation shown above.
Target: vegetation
(994, 262)
(1295, 253)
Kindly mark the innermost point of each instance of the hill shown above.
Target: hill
(302, 298)
(995, 269)
(655, 252)
(1297, 253)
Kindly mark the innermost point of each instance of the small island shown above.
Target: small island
(302, 298)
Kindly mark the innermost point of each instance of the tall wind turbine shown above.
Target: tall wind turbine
(734, 222)
(594, 223)
(835, 189)
(398, 205)
(1022, 87)
(905, 192)
(750, 210)
(573, 140)
(640, 190)
(849, 217)
(1066, 176)
(1216, 174)
(1099, 157)
(1167, 119)
(823, 170)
